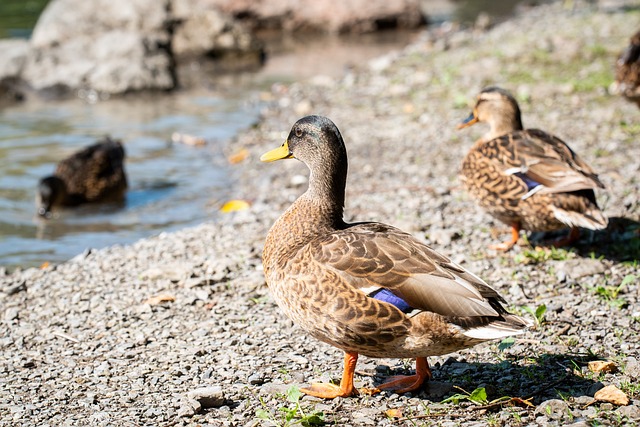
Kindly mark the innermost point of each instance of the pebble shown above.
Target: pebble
(11, 313)
(554, 409)
(208, 397)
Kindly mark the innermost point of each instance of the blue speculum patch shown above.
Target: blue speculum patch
(386, 295)
(531, 184)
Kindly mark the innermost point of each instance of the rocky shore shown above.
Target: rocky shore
(159, 45)
(180, 329)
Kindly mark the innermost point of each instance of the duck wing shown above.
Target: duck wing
(542, 159)
(373, 257)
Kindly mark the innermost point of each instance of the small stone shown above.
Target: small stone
(208, 397)
(554, 409)
(584, 400)
(189, 408)
(632, 412)
(14, 289)
(256, 379)
(632, 368)
(438, 389)
(11, 313)
(580, 267)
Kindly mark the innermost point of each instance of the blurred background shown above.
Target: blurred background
(171, 184)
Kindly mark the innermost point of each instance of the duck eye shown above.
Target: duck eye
(298, 132)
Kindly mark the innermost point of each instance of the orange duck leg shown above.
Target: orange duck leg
(505, 246)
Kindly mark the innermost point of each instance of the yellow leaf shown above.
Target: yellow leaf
(234, 205)
(44, 265)
(394, 413)
(238, 156)
(159, 299)
(612, 394)
(602, 366)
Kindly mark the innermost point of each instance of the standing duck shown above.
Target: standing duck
(527, 178)
(627, 81)
(94, 174)
(368, 288)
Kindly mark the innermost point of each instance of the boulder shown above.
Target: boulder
(204, 34)
(111, 46)
(353, 16)
(119, 46)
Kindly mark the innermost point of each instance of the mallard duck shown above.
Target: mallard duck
(368, 288)
(528, 179)
(627, 81)
(94, 174)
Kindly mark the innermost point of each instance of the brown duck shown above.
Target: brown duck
(368, 288)
(94, 174)
(527, 178)
(627, 81)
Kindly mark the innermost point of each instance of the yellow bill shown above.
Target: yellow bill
(279, 153)
(473, 118)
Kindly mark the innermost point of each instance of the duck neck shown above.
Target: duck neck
(504, 125)
(506, 122)
(324, 199)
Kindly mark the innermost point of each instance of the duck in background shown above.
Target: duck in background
(369, 288)
(93, 174)
(527, 178)
(627, 81)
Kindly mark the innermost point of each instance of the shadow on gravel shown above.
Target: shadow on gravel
(620, 241)
(549, 376)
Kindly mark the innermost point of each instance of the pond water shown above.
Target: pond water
(170, 185)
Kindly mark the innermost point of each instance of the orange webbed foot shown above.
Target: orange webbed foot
(506, 246)
(407, 383)
(329, 391)
(345, 389)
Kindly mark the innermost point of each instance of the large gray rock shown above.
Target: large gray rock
(324, 15)
(112, 46)
(118, 46)
(204, 34)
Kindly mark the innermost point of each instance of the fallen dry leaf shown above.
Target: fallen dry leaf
(234, 205)
(238, 156)
(602, 366)
(612, 394)
(159, 299)
(394, 413)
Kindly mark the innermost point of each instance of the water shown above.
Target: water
(171, 186)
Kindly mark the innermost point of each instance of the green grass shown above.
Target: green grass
(540, 255)
(291, 413)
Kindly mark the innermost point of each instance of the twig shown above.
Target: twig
(440, 414)
(500, 403)
(65, 336)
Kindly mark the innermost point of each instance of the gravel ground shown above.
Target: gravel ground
(130, 336)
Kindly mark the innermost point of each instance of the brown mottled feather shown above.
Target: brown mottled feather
(627, 81)
(496, 169)
(322, 271)
(94, 174)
